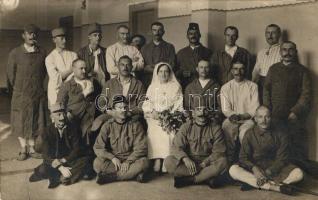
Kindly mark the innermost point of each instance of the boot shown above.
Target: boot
(106, 178)
(180, 182)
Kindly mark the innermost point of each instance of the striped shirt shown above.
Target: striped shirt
(266, 58)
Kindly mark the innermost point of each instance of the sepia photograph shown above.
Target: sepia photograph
(158, 99)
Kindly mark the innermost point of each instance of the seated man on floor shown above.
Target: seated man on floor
(121, 147)
(78, 96)
(239, 101)
(198, 152)
(264, 160)
(63, 161)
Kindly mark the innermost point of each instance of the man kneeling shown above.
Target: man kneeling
(60, 146)
(121, 147)
(198, 152)
(263, 160)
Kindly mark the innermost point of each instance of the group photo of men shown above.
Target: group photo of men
(99, 113)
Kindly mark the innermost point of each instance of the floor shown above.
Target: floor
(14, 183)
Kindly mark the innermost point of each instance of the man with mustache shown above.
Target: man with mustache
(26, 74)
(121, 147)
(188, 57)
(158, 50)
(94, 55)
(264, 158)
(58, 64)
(222, 60)
(120, 48)
(78, 96)
(198, 152)
(205, 88)
(124, 84)
(267, 57)
(63, 158)
(287, 92)
(239, 101)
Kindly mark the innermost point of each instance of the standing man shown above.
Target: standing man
(58, 64)
(138, 41)
(267, 57)
(94, 55)
(156, 51)
(287, 92)
(26, 73)
(189, 57)
(223, 59)
(121, 48)
(239, 101)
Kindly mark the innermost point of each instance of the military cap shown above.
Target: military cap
(193, 26)
(58, 107)
(118, 99)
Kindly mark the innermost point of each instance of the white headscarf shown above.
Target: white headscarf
(164, 96)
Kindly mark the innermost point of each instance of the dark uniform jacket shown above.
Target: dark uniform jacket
(221, 61)
(81, 107)
(153, 54)
(287, 89)
(87, 55)
(209, 95)
(26, 73)
(56, 147)
(187, 60)
(264, 149)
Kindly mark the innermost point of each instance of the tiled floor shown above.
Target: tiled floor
(14, 183)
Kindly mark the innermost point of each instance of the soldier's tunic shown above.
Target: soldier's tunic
(201, 144)
(187, 60)
(127, 142)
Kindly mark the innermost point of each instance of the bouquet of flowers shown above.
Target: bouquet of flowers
(171, 122)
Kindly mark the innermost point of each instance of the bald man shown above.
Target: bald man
(264, 157)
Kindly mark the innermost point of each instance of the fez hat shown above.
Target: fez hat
(58, 32)
(118, 99)
(31, 28)
(194, 26)
(58, 107)
(94, 28)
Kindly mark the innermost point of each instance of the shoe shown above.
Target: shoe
(246, 187)
(22, 156)
(180, 182)
(53, 183)
(34, 178)
(36, 155)
(214, 183)
(141, 177)
(106, 178)
(287, 189)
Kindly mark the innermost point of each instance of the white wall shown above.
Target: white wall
(299, 23)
